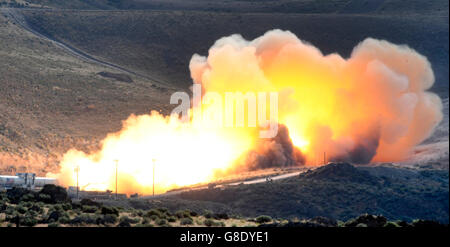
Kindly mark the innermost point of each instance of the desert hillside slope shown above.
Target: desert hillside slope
(52, 100)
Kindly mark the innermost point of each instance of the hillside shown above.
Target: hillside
(161, 43)
(53, 100)
(338, 191)
(51, 207)
(260, 6)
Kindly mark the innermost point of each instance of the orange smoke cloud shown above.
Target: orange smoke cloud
(370, 107)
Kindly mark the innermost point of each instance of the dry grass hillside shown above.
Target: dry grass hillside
(161, 43)
(51, 101)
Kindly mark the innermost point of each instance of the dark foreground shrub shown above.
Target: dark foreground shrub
(161, 222)
(211, 222)
(28, 221)
(109, 219)
(21, 209)
(124, 224)
(89, 202)
(54, 224)
(183, 214)
(263, 219)
(186, 221)
(54, 216)
(36, 208)
(89, 209)
(129, 220)
(368, 220)
(57, 194)
(109, 210)
(83, 219)
(220, 216)
(15, 195)
(208, 214)
(172, 219)
(154, 212)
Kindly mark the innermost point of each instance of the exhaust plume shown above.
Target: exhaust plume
(373, 106)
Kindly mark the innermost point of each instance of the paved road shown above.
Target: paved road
(17, 18)
(254, 181)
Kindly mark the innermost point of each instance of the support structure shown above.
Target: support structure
(77, 169)
(154, 161)
(117, 164)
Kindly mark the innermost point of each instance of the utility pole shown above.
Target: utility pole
(117, 164)
(154, 161)
(77, 169)
(324, 158)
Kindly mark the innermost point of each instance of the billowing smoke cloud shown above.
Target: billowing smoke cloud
(269, 153)
(372, 106)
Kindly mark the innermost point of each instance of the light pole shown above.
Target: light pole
(77, 170)
(154, 161)
(117, 164)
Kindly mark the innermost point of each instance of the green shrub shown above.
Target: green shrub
(89, 202)
(263, 219)
(183, 214)
(129, 220)
(211, 222)
(208, 214)
(21, 209)
(44, 197)
(83, 219)
(76, 205)
(154, 217)
(29, 197)
(89, 209)
(66, 206)
(3, 206)
(57, 207)
(163, 210)
(109, 219)
(10, 210)
(140, 213)
(109, 210)
(391, 224)
(32, 213)
(153, 212)
(57, 194)
(64, 220)
(172, 219)
(15, 195)
(54, 215)
(186, 221)
(145, 221)
(36, 208)
(124, 224)
(161, 222)
(28, 221)
(221, 216)
(53, 225)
